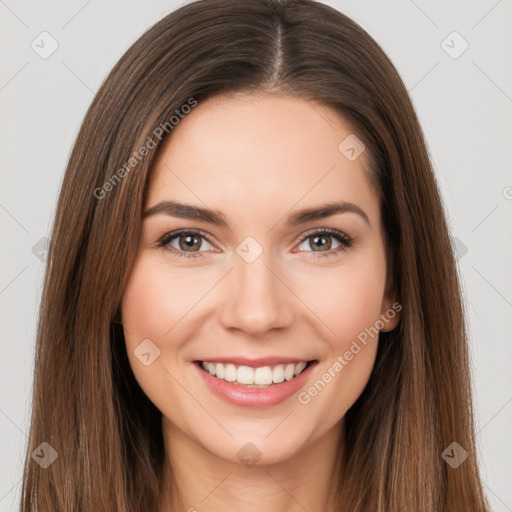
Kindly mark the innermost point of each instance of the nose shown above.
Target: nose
(257, 298)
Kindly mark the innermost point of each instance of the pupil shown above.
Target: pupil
(190, 241)
(316, 238)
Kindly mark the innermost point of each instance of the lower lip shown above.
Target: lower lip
(255, 397)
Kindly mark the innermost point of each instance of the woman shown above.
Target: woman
(192, 352)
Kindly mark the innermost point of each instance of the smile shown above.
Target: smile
(261, 377)
(255, 386)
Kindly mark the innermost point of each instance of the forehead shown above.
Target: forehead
(259, 155)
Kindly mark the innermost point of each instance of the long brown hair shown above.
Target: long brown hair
(88, 407)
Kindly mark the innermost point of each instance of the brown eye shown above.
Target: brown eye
(322, 239)
(188, 243)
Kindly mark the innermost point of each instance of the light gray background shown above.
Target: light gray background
(464, 105)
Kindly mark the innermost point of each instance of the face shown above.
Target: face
(280, 307)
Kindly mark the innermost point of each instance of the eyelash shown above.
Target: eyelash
(345, 241)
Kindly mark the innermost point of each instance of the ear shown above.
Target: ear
(391, 308)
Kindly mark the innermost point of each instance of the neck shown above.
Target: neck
(197, 480)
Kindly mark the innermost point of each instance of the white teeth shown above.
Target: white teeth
(289, 371)
(230, 372)
(278, 374)
(219, 370)
(245, 375)
(263, 376)
(299, 368)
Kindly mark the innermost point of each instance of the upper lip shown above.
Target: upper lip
(255, 363)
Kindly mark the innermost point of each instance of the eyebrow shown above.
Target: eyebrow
(217, 218)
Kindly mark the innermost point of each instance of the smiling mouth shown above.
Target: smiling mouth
(261, 377)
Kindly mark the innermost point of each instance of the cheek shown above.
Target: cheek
(150, 309)
(141, 314)
(147, 314)
(348, 302)
(159, 304)
(348, 299)
(355, 307)
(155, 300)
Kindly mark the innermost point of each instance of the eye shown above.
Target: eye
(187, 241)
(191, 239)
(320, 238)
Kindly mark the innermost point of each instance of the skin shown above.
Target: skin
(257, 158)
